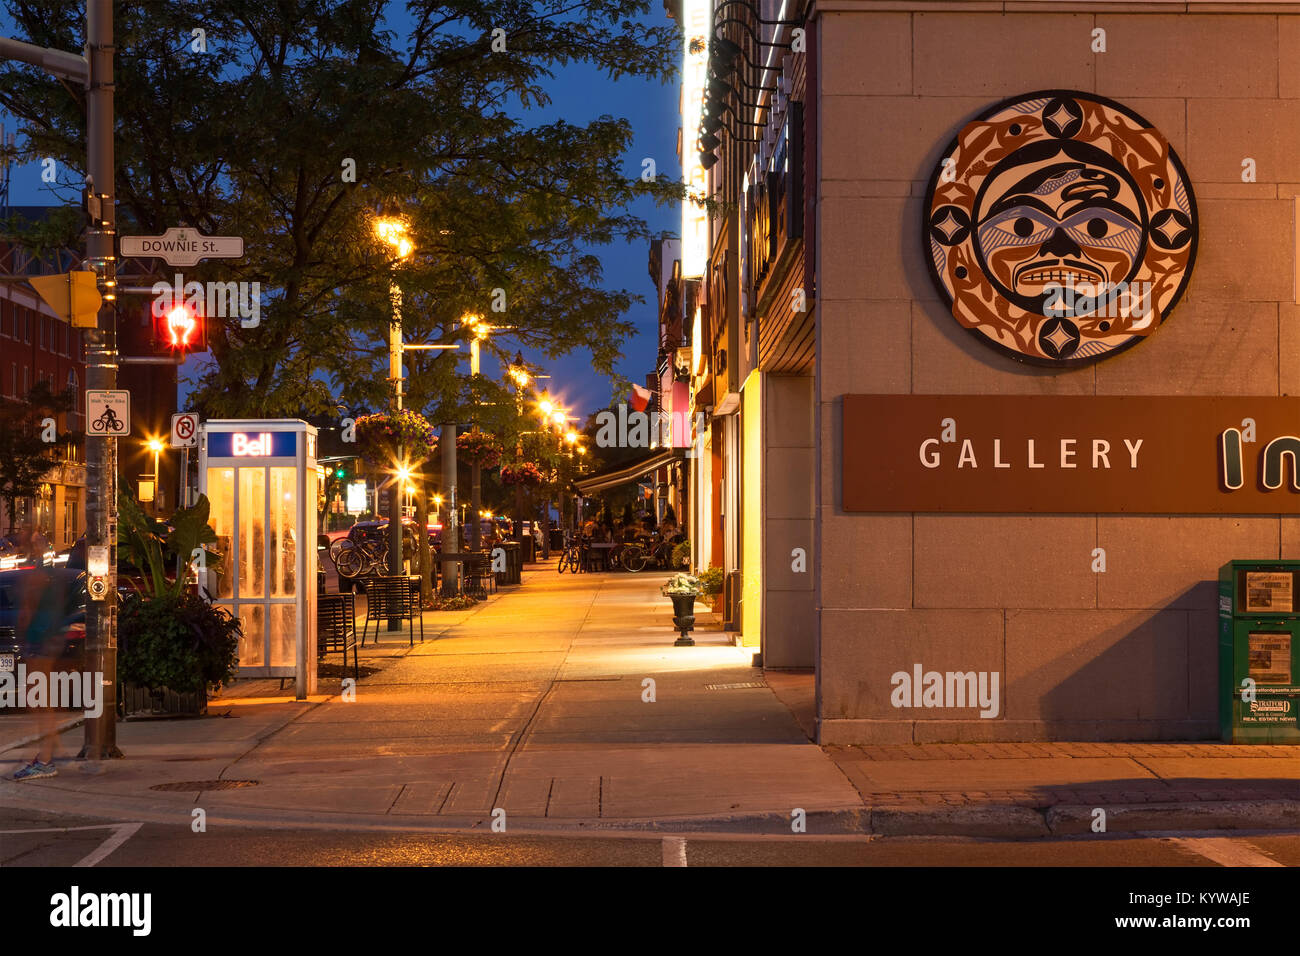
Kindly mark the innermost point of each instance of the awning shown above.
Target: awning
(611, 479)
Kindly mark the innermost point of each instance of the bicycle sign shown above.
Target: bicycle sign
(108, 413)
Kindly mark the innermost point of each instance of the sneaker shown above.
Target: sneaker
(36, 769)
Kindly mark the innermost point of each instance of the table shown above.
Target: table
(601, 550)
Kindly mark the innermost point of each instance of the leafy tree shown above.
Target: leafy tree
(258, 134)
(28, 443)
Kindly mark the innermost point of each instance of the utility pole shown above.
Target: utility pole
(94, 70)
(476, 471)
(101, 373)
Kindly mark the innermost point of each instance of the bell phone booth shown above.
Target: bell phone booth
(260, 477)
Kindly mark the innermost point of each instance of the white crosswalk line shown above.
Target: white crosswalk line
(674, 851)
(1225, 851)
(122, 833)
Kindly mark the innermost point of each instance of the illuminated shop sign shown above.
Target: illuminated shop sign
(1071, 454)
(1060, 227)
(695, 60)
(252, 444)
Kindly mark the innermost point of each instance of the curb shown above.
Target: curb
(69, 724)
(991, 822)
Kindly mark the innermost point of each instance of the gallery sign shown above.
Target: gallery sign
(1014, 454)
(1060, 227)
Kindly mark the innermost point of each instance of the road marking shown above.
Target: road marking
(121, 833)
(1224, 851)
(674, 851)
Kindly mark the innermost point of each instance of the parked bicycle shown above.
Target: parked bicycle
(355, 558)
(571, 558)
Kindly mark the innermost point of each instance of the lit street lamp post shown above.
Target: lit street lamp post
(392, 231)
(155, 445)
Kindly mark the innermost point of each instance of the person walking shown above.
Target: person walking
(45, 600)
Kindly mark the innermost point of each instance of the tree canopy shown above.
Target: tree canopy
(295, 123)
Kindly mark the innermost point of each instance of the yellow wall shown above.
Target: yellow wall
(751, 512)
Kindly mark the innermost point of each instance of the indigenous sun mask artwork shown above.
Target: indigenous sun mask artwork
(1060, 227)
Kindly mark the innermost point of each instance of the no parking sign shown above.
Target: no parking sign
(185, 430)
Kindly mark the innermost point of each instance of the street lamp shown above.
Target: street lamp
(156, 446)
(391, 231)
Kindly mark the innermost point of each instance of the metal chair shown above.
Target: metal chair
(478, 573)
(336, 628)
(392, 598)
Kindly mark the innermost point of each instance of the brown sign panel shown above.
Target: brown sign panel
(1005, 454)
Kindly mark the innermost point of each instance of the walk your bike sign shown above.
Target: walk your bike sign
(108, 413)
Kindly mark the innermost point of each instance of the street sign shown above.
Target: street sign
(182, 247)
(74, 296)
(108, 412)
(185, 430)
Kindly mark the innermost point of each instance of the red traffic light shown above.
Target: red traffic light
(180, 328)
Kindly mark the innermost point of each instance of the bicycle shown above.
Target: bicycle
(571, 557)
(108, 422)
(357, 558)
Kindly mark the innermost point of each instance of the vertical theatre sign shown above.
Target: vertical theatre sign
(1060, 227)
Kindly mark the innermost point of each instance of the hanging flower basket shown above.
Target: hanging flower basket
(379, 436)
(479, 448)
(525, 473)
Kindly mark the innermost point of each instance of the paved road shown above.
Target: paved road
(33, 838)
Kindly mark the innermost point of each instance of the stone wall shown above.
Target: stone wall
(1125, 654)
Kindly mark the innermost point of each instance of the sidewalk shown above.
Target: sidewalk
(562, 702)
(536, 702)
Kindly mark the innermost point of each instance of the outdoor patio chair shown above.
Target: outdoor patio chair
(392, 598)
(336, 628)
(478, 573)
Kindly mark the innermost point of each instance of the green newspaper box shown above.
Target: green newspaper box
(1259, 638)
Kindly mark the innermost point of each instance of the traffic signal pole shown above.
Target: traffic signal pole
(94, 70)
(100, 740)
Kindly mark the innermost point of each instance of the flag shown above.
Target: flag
(639, 398)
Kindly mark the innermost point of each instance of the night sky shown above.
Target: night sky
(579, 94)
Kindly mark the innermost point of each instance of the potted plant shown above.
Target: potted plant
(525, 473)
(173, 644)
(711, 585)
(379, 436)
(683, 589)
(479, 448)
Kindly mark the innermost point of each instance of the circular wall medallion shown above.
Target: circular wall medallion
(1060, 227)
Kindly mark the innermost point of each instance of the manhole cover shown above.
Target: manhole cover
(184, 785)
(740, 686)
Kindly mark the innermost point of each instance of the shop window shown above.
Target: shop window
(70, 531)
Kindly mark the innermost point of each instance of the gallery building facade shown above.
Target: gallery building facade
(996, 352)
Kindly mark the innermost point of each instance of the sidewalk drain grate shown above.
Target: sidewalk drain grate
(741, 686)
(185, 785)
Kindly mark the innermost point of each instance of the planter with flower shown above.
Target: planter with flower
(379, 437)
(525, 473)
(683, 589)
(173, 644)
(479, 448)
(711, 586)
